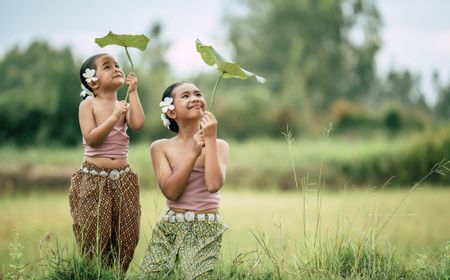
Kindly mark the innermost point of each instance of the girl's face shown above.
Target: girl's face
(109, 73)
(188, 101)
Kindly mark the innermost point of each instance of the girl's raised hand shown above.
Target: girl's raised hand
(131, 82)
(199, 143)
(209, 125)
(121, 108)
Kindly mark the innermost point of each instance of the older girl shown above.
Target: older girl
(190, 168)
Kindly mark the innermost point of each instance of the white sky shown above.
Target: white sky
(416, 33)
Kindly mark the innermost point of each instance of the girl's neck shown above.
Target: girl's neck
(187, 131)
(106, 95)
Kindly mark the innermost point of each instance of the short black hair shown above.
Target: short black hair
(89, 63)
(168, 93)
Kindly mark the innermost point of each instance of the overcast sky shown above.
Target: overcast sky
(416, 33)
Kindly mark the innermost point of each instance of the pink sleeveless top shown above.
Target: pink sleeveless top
(114, 146)
(196, 196)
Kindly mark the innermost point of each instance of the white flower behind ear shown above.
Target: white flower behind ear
(166, 121)
(167, 104)
(85, 92)
(89, 74)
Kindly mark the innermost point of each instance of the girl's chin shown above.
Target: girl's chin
(197, 110)
(197, 115)
(119, 84)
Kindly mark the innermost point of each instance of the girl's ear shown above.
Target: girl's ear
(93, 84)
(171, 114)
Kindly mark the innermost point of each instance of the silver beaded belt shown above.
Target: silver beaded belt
(113, 174)
(188, 216)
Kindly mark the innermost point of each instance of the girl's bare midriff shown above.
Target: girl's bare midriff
(110, 163)
(213, 210)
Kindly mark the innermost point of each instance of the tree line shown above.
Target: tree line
(317, 72)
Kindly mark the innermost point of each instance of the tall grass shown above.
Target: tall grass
(416, 236)
(349, 250)
(343, 256)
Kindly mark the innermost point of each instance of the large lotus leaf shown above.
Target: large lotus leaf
(125, 40)
(229, 69)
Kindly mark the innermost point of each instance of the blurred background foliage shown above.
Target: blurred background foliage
(317, 73)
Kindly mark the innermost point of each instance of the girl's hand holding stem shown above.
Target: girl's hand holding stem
(209, 126)
(208, 132)
(120, 109)
(131, 82)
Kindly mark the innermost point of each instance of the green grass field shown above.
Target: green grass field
(420, 226)
(274, 229)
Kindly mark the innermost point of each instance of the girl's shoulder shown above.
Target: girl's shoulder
(89, 101)
(86, 104)
(159, 144)
(222, 146)
(222, 142)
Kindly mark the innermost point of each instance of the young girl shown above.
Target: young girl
(104, 192)
(190, 169)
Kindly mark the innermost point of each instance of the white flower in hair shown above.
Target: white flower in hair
(165, 120)
(85, 92)
(166, 104)
(89, 74)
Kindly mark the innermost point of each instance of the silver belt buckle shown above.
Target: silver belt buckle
(189, 216)
(114, 174)
(201, 217)
(179, 217)
(211, 217)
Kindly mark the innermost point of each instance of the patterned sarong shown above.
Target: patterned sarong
(190, 245)
(104, 204)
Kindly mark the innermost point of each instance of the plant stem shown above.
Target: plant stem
(214, 91)
(304, 182)
(126, 96)
(132, 68)
(129, 58)
(437, 168)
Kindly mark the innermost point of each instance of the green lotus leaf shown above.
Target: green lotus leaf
(229, 69)
(125, 40)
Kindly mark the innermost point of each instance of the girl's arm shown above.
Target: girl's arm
(135, 116)
(92, 134)
(172, 184)
(216, 154)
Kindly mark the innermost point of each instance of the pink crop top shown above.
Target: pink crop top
(114, 146)
(195, 196)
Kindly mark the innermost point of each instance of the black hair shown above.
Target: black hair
(168, 93)
(89, 63)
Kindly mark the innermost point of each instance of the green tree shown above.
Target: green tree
(442, 107)
(313, 51)
(39, 96)
(401, 87)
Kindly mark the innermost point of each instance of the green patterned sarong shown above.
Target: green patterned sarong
(188, 242)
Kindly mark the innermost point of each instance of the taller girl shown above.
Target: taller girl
(104, 192)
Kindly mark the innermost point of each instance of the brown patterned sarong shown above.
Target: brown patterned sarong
(105, 207)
